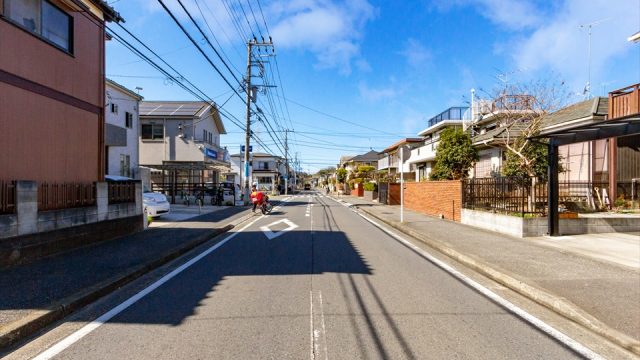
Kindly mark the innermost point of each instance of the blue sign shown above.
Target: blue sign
(250, 148)
(211, 153)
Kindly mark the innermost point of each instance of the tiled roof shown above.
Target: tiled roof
(369, 156)
(501, 133)
(588, 110)
(402, 142)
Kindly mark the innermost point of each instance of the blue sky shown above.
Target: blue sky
(387, 66)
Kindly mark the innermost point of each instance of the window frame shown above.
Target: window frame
(39, 35)
(153, 126)
(128, 120)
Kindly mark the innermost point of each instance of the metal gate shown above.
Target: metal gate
(383, 193)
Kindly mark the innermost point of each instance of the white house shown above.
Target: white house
(122, 129)
(180, 143)
(390, 159)
(265, 169)
(422, 158)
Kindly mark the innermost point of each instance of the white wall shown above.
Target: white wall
(126, 103)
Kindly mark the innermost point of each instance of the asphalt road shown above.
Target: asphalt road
(314, 280)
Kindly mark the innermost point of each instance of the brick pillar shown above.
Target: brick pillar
(102, 200)
(27, 207)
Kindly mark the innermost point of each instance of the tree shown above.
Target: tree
(520, 109)
(455, 155)
(341, 174)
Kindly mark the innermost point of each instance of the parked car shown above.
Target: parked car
(307, 186)
(154, 204)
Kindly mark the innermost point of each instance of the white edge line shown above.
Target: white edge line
(547, 329)
(312, 354)
(87, 329)
(324, 329)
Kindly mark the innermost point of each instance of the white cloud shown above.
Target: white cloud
(415, 53)
(562, 46)
(330, 30)
(511, 14)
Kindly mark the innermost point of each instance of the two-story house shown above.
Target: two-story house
(180, 143)
(52, 89)
(265, 169)
(423, 157)
(122, 130)
(390, 158)
(352, 163)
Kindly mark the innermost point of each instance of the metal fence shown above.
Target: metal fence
(122, 192)
(504, 195)
(209, 193)
(7, 197)
(519, 196)
(53, 196)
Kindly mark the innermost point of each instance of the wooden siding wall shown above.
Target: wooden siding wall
(628, 164)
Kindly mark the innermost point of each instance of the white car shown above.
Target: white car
(154, 203)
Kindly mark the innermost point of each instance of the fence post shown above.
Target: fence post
(138, 196)
(27, 207)
(102, 200)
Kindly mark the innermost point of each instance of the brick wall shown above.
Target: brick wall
(434, 198)
(393, 198)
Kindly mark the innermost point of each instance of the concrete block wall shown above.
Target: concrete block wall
(519, 227)
(434, 198)
(28, 220)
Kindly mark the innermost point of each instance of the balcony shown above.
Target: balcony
(624, 102)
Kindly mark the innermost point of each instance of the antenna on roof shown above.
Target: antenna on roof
(587, 88)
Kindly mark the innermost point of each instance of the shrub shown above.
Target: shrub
(370, 186)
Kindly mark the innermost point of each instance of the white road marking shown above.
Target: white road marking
(546, 328)
(272, 235)
(311, 339)
(324, 328)
(87, 329)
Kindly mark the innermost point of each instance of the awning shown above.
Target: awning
(629, 125)
(190, 165)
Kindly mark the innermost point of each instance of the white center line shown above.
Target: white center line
(324, 328)
(311, 337)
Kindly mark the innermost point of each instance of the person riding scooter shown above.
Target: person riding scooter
(257, 197)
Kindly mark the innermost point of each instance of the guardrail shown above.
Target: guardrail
(7, 197)
(52, 196)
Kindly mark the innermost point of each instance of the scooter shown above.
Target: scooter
(266, 206)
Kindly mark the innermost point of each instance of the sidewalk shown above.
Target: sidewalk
(37, 294)
(591, 279)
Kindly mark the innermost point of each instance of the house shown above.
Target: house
(422, 159)
(369, 158)
(496, 123)
(52, 113)
(265, 169)
(180, 143)
(52, 120)
(122, 130)
(584, 161)
(390, 157)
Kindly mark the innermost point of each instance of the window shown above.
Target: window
(125, 165)
(114, 108)
(128, 120)
(152, 131)
(263, 165)
(43, 19)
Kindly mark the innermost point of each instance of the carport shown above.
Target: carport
(622, 126)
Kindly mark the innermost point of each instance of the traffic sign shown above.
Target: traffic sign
(242, 147)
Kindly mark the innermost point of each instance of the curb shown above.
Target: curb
(37, 320)
(542, 297)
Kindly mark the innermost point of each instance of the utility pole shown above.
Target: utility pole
(251, 96)
(248, 130)
(286, 162)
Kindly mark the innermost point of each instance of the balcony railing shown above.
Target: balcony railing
(65, 196)
(624, 102)
(7, 197)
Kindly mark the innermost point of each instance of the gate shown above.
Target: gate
(383, 193)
